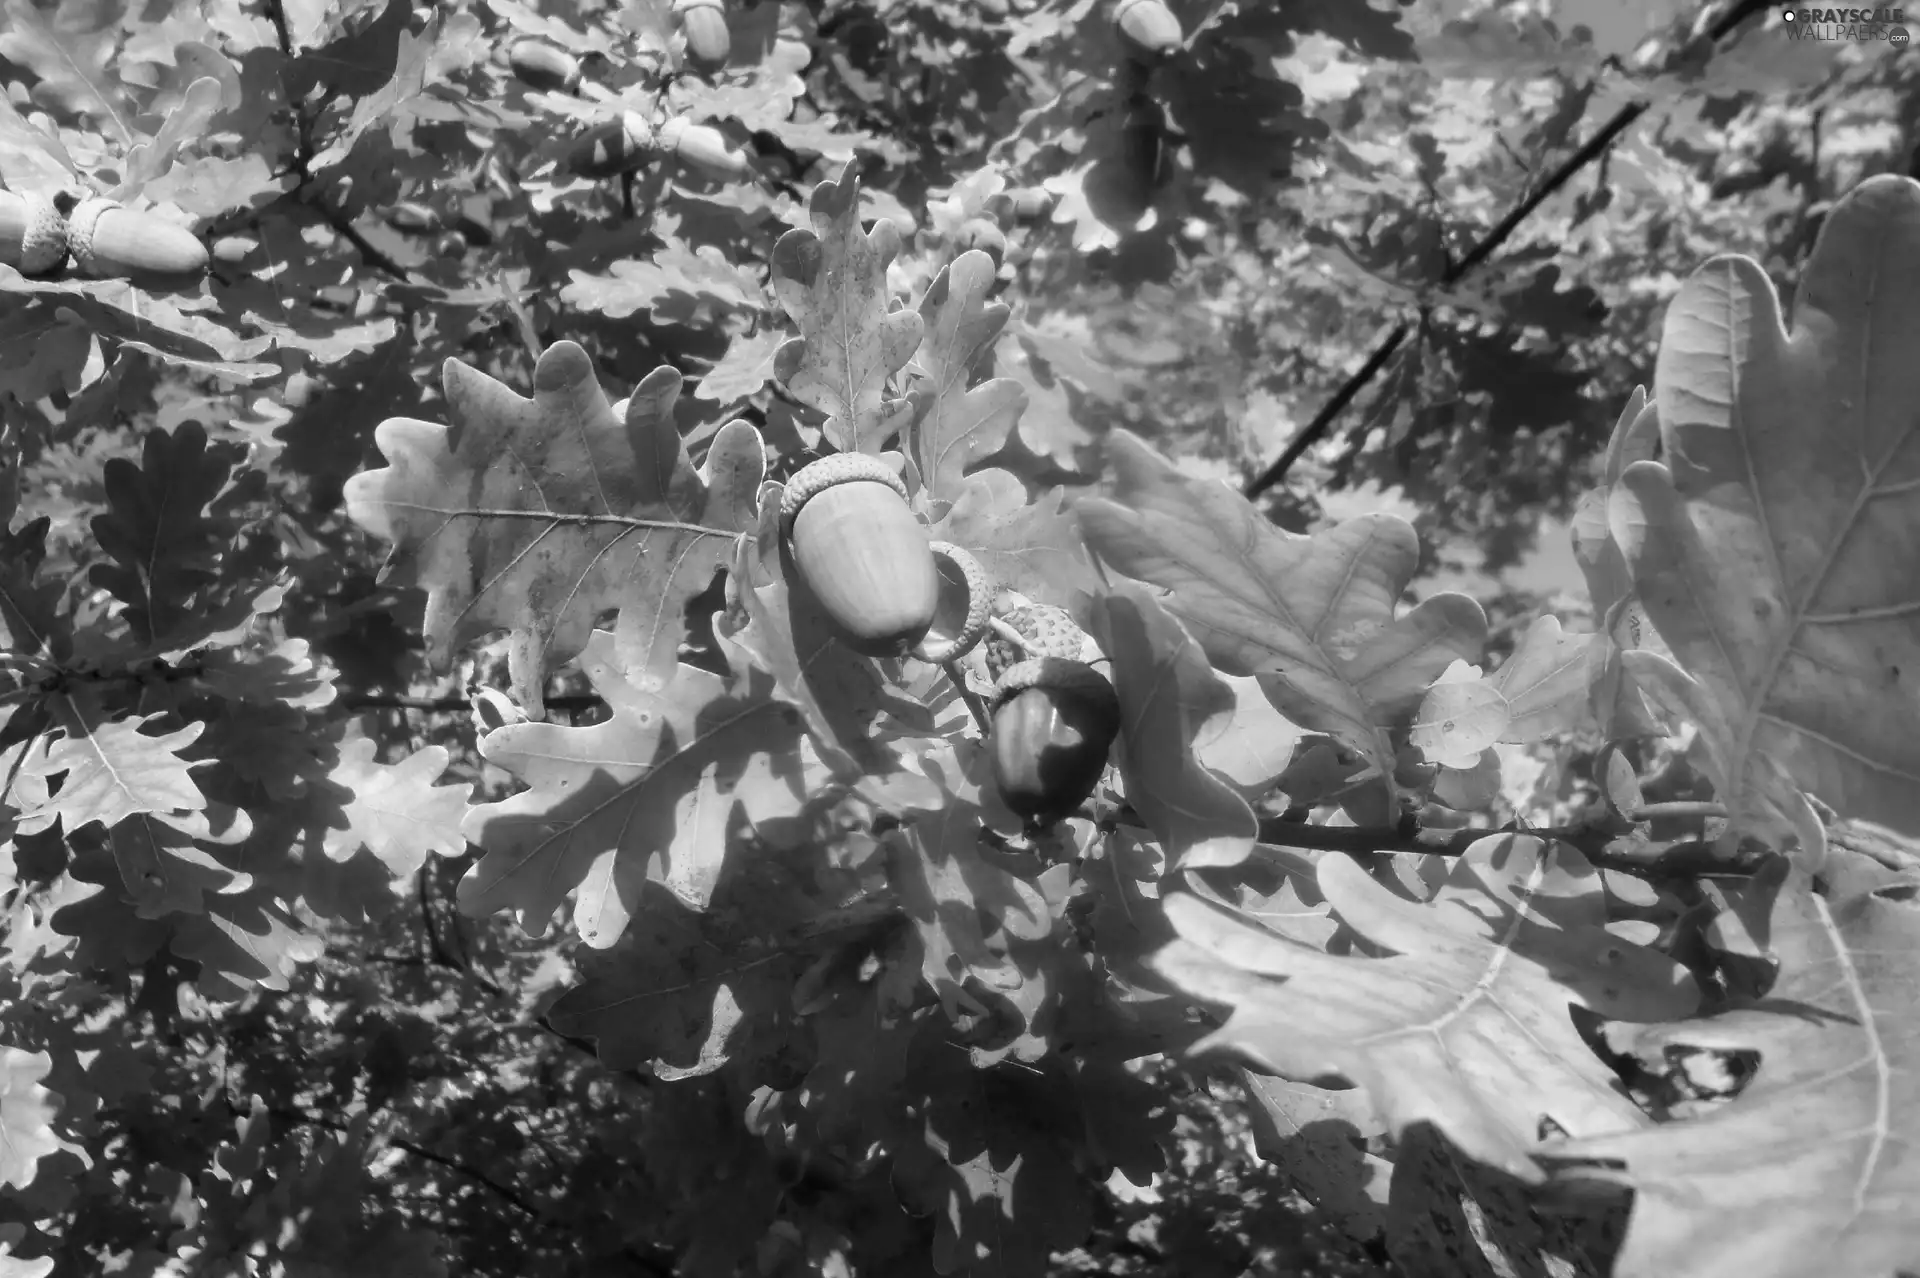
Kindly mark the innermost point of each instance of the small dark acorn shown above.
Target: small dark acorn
(1054, 721)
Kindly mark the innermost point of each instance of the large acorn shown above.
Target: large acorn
(109, 241)
(703, 147)
(1053, 721)
(613, 147)
(704, 22)
(861, 553)
(544, 66)
(33, 235)
(1148, 28)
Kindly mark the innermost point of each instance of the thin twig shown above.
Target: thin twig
(1595, 147)
(958, 678)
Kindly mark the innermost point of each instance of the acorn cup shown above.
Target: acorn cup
(612, 147)
(961, 617)
(33, 235)
(109, 241)
(703, 147)
(1148, 28)
(704, 23)
(543, 66)
(858, 550)
(1054, 721)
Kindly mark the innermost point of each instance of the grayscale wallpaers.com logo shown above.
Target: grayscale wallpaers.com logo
(1847, 24)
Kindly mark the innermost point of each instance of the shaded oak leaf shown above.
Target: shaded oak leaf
(1773, 547)
(537, 515)
(669, 1000)
(74, 66)
(242, 943)
(184, 124)
(1312, 617)
(165, 546)
(832, 282)
(845, 699)
(164, 871)
(30, 613)
(1250, 745)
(27, 1111)
(1814, 1167)
(1168, 693)
(954, 427)
(1466, 1025)
(394, 810)
(965, 908)
(1539, 691)
(1620, 618)
(616, 795)
(113, 771)
(1030, 547)
(1318, 1141)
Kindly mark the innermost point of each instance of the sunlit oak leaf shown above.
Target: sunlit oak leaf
(1814, 1168)
(621, 788)
(1540, 690)
(1312, 617)
(1774, 548)
(832, 282)
(395, 810)
(1168, 693)
(954, 426)
(113, 771)
(1030, 547)
(26, 1115)
(844, 697)
(244, 942)
(536, 515)
(73, 67)
(1466, 1025)
(1250, 745)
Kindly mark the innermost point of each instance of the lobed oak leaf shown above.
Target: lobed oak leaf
(1318, 1141)
(74, 66)
(1168, 693)
(32, 157)
(1467, 1024)
(743, 370)
(1312, 617)
(1539, 691)
(1772, 547)
(412, 65)
(164, 871)
(395, 811)
(113, 771)
(1813, 1167)
(954, 426)
(832, 282)
(26, 1116)
(675, 284)
(1030, 547)
(537, 515)
(607, 806)
(184, 124)
(668, 1000)
(167, 328)
(242, 943)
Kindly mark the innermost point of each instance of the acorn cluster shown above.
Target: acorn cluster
(886, 589)
(101, 238)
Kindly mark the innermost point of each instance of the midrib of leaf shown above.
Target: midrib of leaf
(1869, 1026)
(33, 21)
(1755, 712)
(1482, 988)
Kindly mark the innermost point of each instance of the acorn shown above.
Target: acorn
(979, 233)
(963, 615)
(704, 22)
(110, 241)
(410, 217)
(33, 235)
(544, 66)
(1023, 204)
(612, 147)
(703, 147)
(860, 552)
(1148, 28)
(1053, 722)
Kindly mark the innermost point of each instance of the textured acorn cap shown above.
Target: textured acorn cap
(972, 625)
(1056, 673)
(33, 235)
(840, 468)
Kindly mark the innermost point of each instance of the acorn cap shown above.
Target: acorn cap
(840, 468)
(33, 235)
(1056, 673)
(1047, 631)
(971, 626)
